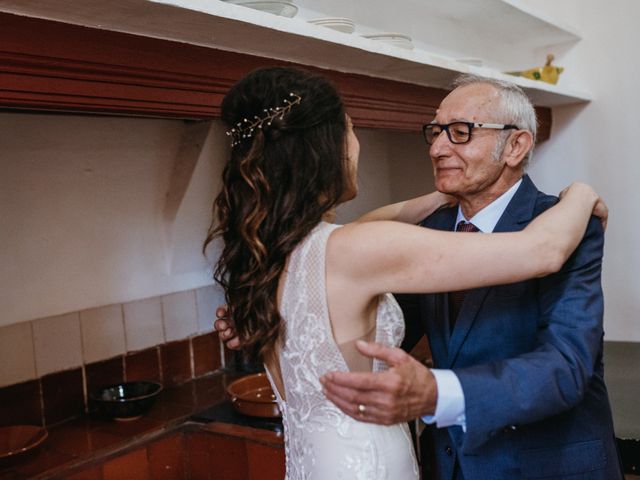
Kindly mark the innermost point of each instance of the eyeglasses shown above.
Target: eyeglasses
(458, 132)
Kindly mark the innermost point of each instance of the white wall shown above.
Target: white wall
(598, 142)
(594, 142)
(393, 166)
(81, 209)
(82, 199)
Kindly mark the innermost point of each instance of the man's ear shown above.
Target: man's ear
(518, 145)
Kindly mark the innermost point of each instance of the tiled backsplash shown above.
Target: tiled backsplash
(48, 365)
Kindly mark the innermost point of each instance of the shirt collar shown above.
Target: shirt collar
(487, 218)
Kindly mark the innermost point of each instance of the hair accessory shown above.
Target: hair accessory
(245, 128)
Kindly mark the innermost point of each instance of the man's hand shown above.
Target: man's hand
(406, 391)
(226, 332)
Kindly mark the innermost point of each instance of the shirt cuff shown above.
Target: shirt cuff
(450, 402)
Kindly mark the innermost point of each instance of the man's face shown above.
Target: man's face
(467, 169)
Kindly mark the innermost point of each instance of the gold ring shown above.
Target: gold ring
(362, 409)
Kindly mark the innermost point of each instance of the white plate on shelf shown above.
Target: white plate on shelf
(476, 62)
(344, 25)
(283, 9)
(396, 39)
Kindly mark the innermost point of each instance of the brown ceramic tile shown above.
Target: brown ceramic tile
(101, 374)
(198, 461)
(210, 390)
(176, 362)
(71, 438)
(99, 440)
(184, 394)
(267, 437)
(143, 365)
(169, 412)
(63, 396)
(132, 465)
(94, 473)
(80, 437)
(43, 461)
(265, 461)
(206, 353)
(131, 428)
(228, 457)
(9, 474)
(166, 458)
(21, 404)
(216, 383)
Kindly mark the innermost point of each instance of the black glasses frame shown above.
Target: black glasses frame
(470, 125)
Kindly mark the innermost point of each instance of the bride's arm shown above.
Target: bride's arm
(378, 257)
(409, 211)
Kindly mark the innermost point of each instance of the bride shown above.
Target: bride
(301, 290)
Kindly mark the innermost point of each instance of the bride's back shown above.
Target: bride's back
(321, 441)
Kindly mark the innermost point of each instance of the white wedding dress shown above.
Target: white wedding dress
(321, 442)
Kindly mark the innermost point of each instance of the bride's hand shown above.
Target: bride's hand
(444, 200)
(602, 211)
(224, 328)
(600, 208)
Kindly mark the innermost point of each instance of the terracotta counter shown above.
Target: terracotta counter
(164, 444)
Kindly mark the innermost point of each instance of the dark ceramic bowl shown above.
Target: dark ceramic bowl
(252, 395)
(18, 441)
(125, 401)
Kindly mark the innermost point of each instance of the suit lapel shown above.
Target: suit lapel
(520, 210)
(437, 305)
(518, 213)
(468, 312)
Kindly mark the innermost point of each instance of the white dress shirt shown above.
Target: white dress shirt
(450, 402)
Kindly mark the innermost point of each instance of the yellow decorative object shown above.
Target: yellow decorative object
(548, 73)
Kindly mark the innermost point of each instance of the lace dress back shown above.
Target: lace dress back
(321, 442)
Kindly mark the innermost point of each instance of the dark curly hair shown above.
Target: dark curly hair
(277, 185)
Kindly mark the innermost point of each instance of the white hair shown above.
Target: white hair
(515, 108)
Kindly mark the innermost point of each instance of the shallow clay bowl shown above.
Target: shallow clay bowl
(125, 401)
(16, 441)
(252, 395)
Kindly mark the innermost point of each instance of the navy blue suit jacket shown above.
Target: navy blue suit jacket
(529, 359)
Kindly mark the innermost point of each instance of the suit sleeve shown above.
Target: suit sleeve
(553, 377)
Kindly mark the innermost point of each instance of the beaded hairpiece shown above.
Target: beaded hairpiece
(245, 128)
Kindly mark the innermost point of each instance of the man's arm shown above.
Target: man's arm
(519, 390)
(553, 377)
(405, 391)
(410, 211)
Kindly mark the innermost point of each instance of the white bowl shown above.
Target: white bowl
(476, 62)
(396, 39)
(344, 25)
(282, 9)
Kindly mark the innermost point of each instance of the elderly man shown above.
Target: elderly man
(517, 390)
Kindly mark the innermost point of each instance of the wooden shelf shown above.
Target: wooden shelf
(77, 69)
(219, 25)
